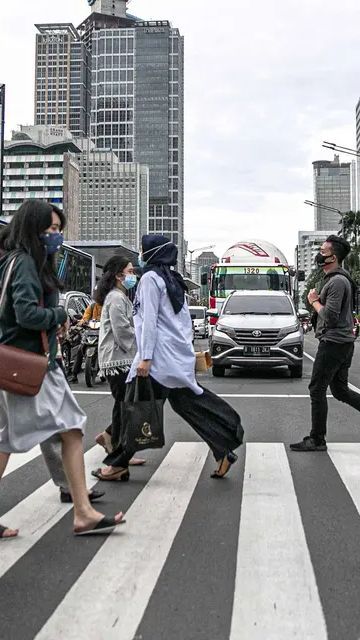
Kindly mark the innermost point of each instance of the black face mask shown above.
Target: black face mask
(320, 260)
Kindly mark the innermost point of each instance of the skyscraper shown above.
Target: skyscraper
(137, 97)
(62, 78)
(332, 188)
(137, 105)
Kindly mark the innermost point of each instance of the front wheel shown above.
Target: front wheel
(91, 370)
(66, 356)
(217, 371)
(297, 371)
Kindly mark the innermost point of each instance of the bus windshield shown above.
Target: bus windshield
(75, 269)
(227, 279)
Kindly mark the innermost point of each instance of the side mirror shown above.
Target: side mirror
(302, 314)
(212, 313)
(204, 279)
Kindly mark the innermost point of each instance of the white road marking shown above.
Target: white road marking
(112, 593)
(223, 395)
(38, 513)
(346, 458)
(17, 460)
(276, 595)
(351, 386)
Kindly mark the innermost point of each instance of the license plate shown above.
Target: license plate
(256, 351)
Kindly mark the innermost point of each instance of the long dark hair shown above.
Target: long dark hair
(23, 232)
(107, 282)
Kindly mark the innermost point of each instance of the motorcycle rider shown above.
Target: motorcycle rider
(92, 312)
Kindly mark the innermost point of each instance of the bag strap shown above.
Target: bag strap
(7, 276)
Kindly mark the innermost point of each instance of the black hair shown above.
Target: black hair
(341, 247)
(23, 232)
(107, 282)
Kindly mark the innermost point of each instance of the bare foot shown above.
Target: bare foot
(137, 462)
(8, 533)
(104, 440)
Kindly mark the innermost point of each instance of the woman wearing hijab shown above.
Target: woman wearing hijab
(165, 353)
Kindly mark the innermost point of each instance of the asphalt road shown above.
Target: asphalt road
(271, 552)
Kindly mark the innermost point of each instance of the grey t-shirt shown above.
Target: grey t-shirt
(335, 321)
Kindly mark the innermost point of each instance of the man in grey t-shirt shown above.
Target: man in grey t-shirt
(334, 329)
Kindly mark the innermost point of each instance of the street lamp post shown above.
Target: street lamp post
(325, 206)
(191, 251)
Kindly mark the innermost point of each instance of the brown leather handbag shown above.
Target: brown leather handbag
(21, 372)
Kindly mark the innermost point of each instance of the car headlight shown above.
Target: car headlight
(225, 329)
(287, 330)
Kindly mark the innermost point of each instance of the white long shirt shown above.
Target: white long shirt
(163, 336)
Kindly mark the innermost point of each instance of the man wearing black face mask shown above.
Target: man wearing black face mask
(334, 329)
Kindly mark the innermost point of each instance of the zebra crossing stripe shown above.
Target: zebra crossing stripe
(346, 459)
(112, 593)
(18, 460)
(38, 513)
(276, 595)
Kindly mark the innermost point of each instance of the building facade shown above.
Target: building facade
(136, 84)
(137, 105)
(309, 243)
(43, 171)
(62, 78)
(114, 198)
(332, 188)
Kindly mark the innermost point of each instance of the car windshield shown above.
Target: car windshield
(197, 314)
(258, 305)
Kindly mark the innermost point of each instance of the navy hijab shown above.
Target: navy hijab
(160, 260)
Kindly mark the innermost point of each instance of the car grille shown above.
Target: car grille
(269, 337)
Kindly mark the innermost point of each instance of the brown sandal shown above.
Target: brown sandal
(123, 475)
(224, 465)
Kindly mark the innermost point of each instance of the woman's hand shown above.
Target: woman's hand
(143, 369)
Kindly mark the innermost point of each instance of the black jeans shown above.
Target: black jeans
(331, 367)
(118, 388)
(215, 421)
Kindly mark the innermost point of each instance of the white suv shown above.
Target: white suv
(257, 329)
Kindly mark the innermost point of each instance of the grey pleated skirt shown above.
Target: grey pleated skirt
(26, 422)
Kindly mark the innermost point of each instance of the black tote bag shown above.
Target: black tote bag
(143, 417)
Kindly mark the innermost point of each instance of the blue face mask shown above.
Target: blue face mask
(141, 262)
(52, 242)
(129, 281)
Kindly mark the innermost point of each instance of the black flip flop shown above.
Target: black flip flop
(2, 531)
(106, 525)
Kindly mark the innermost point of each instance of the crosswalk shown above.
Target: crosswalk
(276, 590)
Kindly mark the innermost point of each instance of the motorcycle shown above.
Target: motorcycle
(71, 342)
(90, 342)
(306, 325)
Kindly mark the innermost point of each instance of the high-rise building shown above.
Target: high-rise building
(40, 162)
(332, 188)
(114, 197)
(2, 134)
(309, 243)
(62, 78)
(137, 98)
(137, 106)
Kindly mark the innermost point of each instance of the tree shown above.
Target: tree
(314, 281)
(351, 232)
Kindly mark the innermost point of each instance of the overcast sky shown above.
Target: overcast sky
(265, 82)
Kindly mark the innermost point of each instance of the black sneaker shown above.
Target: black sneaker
(73, 380)
(309, 444)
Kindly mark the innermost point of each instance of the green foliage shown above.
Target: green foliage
(351, 231)
(314, 281)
